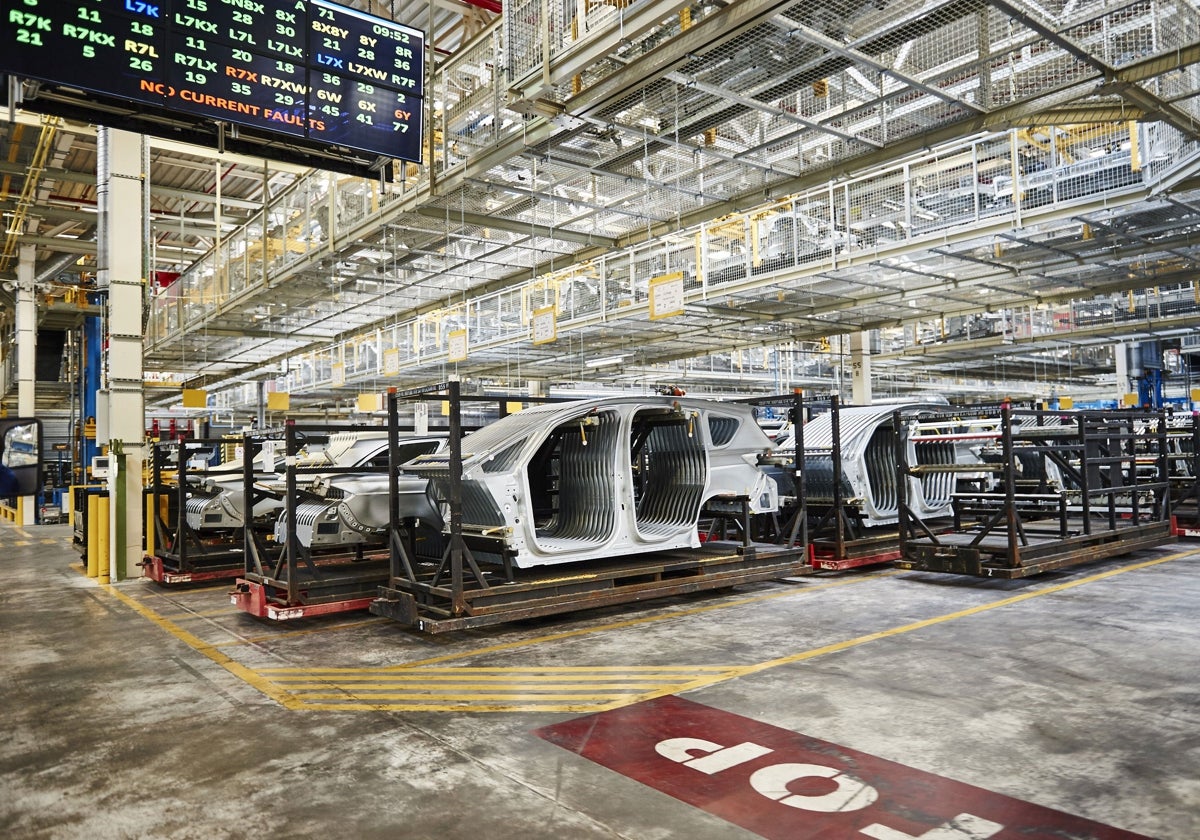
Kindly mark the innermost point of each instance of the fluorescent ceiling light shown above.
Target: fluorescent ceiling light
(607, 360)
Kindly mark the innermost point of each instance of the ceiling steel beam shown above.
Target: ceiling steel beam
(462, 217)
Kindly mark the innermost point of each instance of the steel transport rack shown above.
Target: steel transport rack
(1066, 488)
(178, 551)
(460, 592)
(283, 578)
(1183, 443)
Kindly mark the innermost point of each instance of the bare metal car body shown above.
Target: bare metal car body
(351, 509)
(603, 478)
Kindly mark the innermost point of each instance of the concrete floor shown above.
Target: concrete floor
(133, 711)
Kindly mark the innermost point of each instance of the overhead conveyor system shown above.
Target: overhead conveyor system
(705, 112)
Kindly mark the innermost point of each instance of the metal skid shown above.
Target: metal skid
(176, 551)
(462, 590)
(1067, 488)
(285, 579)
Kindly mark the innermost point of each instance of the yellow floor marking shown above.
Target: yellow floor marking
(236, 668)
(518, 686)
(530, 691)
(603, 628)
(253, 640)
(585, 695)
(746, 670)
(548, 673)
(510, 708)
(703, 675)
(727, 673)
(20, 543)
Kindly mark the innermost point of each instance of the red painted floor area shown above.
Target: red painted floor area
(787, 786)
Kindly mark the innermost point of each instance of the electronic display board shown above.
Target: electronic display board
(315, 72)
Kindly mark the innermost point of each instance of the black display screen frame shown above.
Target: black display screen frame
(244, 75)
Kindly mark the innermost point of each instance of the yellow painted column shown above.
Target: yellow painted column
(102, 539)
(93, 534)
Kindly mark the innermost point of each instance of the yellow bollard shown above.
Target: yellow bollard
(93, 534)
(102, 539)
(151, 499)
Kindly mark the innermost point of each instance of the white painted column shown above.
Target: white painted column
(26, 353)
(122, 181)
(860, 368)
(1121, 355)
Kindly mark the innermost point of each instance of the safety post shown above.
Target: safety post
(93, 535)
(102, 562)
(151, 499)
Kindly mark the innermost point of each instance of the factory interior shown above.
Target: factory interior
(600, 418)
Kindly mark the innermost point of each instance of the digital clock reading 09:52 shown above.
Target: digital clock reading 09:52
(308, 69)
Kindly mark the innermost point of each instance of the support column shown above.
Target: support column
(860, 368)
(26, 355)
(1121, 356)
(122, 164)
(262, 404)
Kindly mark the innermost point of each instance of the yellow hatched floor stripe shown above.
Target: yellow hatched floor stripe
(387, 670)
(491, 689)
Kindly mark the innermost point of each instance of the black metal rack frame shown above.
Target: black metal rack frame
(291, 574)
(1113, 497)
(181, 553)
(1183, 443)
(457, 592)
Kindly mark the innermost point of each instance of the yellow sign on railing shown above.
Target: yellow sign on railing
(456, 346)
(666, 295)
(545, 325)
(195, 398)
